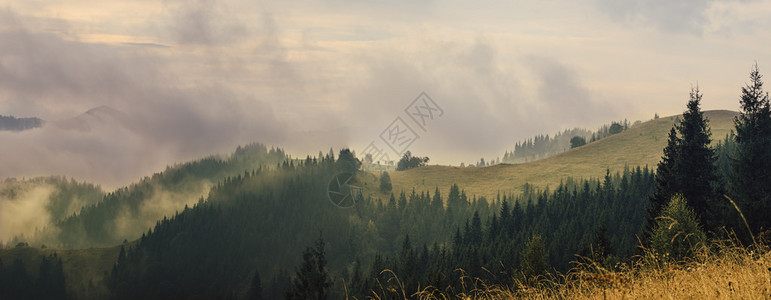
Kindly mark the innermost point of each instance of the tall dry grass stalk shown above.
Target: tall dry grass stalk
(725, 270)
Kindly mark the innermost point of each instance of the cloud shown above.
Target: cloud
(205, 22)
(563, 98)
(664, 15)
(26, 212)
(146, 119)
(488, 99)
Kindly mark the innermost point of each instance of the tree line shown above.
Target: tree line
(271, 232)
(256, 225)
(16, 282)
(542, 146)
(710, 192)
(107, 219)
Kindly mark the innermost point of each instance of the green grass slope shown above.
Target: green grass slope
(640, 145)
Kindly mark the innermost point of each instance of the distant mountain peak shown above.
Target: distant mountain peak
(96, 117)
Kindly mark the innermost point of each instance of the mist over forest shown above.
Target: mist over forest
(384, 150)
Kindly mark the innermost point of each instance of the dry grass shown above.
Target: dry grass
(734, 273)
(724, 272)
(641, 145)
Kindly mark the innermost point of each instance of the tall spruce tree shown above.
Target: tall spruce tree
(687, 167)
(696, 163)
(312, 280)
(751, 185)
(666, 181)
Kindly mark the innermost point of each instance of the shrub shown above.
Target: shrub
(677, 232)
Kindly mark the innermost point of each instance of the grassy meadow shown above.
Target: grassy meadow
(640, 145)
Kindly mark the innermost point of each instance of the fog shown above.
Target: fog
(26, 213)
(130, 87)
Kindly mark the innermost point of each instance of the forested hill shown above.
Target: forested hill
(253, 213)
(640, 145)
(257, 225)
(542, 146)
(102, 220)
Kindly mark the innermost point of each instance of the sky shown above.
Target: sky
(129, 87)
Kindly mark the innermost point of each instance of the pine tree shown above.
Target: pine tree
(534, 258)
(678, 233)
(437, 205)
(666, 178)
(347, 162)
(696, 163)
(687, 167)
(255, 289)
(601, 247)
(385, 183)
(312, 277)
(20, 285)
(476, 229)
(752, 179)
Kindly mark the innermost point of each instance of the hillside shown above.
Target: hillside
(291, 201)
(640, 145)
(84, 269)
(72, 215)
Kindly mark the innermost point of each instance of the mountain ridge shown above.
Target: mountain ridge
(640, 145)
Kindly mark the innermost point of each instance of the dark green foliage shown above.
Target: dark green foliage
(696, 162)
(725, 153)
(311, 279)
(50, 282)
(121, 214)
(408, 161)
(677, 233)
(255, 289)
(615, 128)
(347, 162)
(17, 283)
(279, 285)
(688, 167)
(213, 249)
(667, 183)
(577, 141)
(534, 258)
(495, 250)
(3, 280)
(385, 183)
(751, 185)
(20, 284)
(600, 250)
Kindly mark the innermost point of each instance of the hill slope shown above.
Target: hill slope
(640, 145)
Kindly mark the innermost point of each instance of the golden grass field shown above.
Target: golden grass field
(724, 272)
(640, 145)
